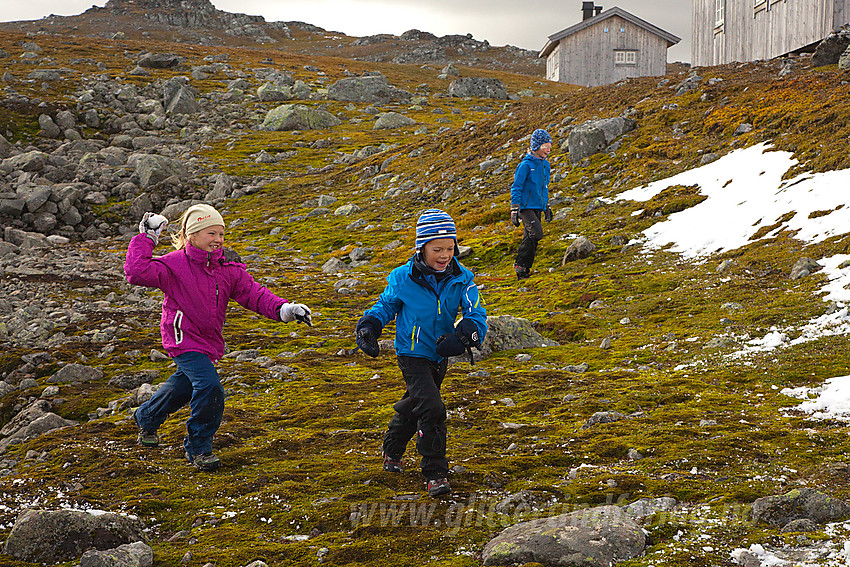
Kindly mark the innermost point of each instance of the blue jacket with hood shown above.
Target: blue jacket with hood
(427, 309)
(530, 189)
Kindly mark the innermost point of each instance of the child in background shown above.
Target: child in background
(424, 296)
(198, 280)
(530, 199)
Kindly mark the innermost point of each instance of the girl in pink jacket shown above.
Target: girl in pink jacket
(198, 279)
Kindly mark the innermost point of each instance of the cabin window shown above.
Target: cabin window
(718, 13)
(625, 57)
(622, 30)
(759, 5)
(606, 30)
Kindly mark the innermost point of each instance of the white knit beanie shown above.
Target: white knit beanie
(199, 217)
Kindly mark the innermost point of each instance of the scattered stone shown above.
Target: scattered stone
(645, 508)
(603, 417)
(298, 117)
(372, 89)
(595, 136)
(157, 356)
(159, 61)
(391, 120)
(803, 267)
(137, 554)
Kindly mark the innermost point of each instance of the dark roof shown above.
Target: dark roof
(555, 38)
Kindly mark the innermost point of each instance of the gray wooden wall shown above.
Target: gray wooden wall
(587, 56)
(748, 34)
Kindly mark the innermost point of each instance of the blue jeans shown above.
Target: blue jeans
(196, 382)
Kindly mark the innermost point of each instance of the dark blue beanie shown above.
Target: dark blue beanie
(538, 138)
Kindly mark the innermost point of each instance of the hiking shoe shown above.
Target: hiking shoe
(438, 487)
(206, 462)
(522, 272)
(392, 465)
(148, 439)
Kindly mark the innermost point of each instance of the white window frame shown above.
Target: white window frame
(625, 57)
(719, 13)
(759, 5)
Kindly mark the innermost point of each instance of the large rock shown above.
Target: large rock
(508, 333)
(268, 92)
(26, 240)
(298, 117)
(373, 89)
(829, 51)
(34, 160)
(136, 554)
(159, 61)
(594, 136)
(182, 101)
(53, 536)
(478, 87)
(391, 120)
(580, 248)
(31, 422)
(596, 537)
(152, 169)
(803, 503)
(803, 267)
(49, 129)
(75, 373)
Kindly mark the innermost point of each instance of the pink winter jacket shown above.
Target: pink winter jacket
(197, 287)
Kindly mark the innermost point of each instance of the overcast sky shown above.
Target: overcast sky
(501, 22)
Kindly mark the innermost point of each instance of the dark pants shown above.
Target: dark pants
(532, 232)
(196, 382)
(420, 412)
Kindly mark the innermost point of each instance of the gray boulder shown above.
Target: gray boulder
(478, 87)
(580, 248)
(603, 417)
(34, 160)
(174, 211)
(844, 60)
(65, 119)
(298, 117)
(594, 136)
(137, 554)
(803, 503)
(830, 49)
(274, 93)
(31, 422)
(153, 169)
(75, 373)
(596, 537)
(509, 333)
(182, 101)
(26, 240)
(222, 189)
(374, 89)
(391, 120)
(53, 536)
(159, 61)
(12, 207)
(645, 508)
(45, 75)
(49, 129)
(803, 267)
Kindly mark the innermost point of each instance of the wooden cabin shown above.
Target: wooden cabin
(747, 30)
(606, 47)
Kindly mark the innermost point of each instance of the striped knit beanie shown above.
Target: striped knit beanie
(432, 225)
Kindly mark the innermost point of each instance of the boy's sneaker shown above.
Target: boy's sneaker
(438, 487)
(392, 465)
(148, 439)
(206, 462)
(522, 272)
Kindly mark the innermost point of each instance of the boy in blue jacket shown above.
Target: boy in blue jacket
(424, 296)
(530, 199)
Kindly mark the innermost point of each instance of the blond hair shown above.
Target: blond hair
(180, 238)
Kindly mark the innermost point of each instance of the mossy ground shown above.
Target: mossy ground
(302, 454)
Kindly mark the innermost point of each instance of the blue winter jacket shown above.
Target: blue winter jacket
(531, 183)
(427, 310)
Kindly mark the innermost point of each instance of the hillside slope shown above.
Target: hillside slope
(650, 333)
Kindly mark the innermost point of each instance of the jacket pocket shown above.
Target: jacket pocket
(177, 324)
(414, 337)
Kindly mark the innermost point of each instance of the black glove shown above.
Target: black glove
(366, 334)
(450, 345)
(514, 215)
(547, 214)
(467, 333)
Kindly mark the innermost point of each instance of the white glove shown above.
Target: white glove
(295, 312)
(152, 225)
